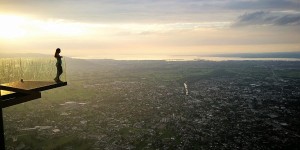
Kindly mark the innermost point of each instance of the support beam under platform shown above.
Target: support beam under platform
(18, 92)
(2, 139)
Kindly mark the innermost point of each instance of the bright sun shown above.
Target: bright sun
(16, 27)
(11, 27)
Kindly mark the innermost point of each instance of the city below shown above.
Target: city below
(110, 104)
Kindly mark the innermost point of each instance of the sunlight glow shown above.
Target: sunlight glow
(136, 28)
(10, 27)
(22, 28)
(16, 27)
(60, 27)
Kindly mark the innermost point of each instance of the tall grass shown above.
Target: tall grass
(37, 69)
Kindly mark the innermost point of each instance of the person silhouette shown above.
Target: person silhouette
(58, 65)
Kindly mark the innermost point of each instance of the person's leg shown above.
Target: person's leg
(59, 71)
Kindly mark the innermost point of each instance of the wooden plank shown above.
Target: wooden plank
(25, 91)
(28, 86)
(34, 85)
(7, 88)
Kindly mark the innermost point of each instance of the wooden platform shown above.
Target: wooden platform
(19, 92)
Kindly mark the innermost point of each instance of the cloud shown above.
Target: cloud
(117, 10)
(148, 11)
(265, 4)
(268, 18)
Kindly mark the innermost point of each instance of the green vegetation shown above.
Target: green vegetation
(288, 73)
(34, 141)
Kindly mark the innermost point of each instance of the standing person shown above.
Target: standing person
(58, 65)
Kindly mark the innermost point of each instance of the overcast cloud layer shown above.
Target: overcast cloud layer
(145, 10)
(268, 18)
(150, 26)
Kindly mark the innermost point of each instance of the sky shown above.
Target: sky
(111, 28)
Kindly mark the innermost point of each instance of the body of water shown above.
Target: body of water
(185, 58)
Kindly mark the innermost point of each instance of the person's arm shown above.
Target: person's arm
(58, 56)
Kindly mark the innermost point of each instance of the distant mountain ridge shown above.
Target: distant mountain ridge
(261, 55)
(22, 55)
(240, 55)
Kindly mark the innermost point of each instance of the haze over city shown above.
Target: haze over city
(149, 74)
(111, 28)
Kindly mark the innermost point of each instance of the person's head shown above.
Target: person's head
(57, 51)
